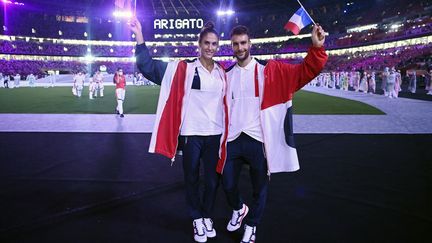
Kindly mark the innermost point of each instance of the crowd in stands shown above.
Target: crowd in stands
(417, 56)
(409, 57)
(50, 49)
(35, 47)
(414, 19)
(335, 17)
(40, 68)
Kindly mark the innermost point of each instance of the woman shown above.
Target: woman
(191, 107)
(120, 83)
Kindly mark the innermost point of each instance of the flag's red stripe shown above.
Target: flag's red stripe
(293, 27)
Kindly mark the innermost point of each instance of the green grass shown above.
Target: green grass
(143, 100)
(138, 100)
(308, 103)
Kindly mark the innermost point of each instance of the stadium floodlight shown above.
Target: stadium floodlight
(122, 14)
(89, 58)
(228, 12)
(10, 2)
(395, 26)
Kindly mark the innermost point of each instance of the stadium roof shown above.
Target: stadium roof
(177, 7)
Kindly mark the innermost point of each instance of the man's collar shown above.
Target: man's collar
(250, 65)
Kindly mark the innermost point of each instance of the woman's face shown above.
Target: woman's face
(209, 45)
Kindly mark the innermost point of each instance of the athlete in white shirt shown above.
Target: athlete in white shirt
(78, 83)
(201, 117)
(259, 131)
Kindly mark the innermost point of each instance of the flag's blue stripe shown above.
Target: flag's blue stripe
(304, 17)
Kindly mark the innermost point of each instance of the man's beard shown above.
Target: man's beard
(246, 55)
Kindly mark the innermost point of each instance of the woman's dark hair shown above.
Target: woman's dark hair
(208, 28)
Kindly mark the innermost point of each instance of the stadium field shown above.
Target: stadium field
(143, 100)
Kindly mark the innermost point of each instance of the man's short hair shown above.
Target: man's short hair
(240, 30)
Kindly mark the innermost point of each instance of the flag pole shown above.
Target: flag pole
(305, 11)
(135, 6)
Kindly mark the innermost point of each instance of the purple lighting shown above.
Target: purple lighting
(122, 14)
(10, 2)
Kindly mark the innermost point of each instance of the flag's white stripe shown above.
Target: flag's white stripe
(297, 20)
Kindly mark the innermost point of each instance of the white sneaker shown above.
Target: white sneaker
(237, 218)
(199, 230)
(249, 234)
(209, 230)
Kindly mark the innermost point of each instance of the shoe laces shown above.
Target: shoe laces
(237, 215)
(198, 227)
(208, 224)
(249, 234)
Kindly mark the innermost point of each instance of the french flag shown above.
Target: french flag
(298, 21)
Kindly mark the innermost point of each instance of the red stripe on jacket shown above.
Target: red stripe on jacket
(169, 125)
(223, 153)
(282, 80)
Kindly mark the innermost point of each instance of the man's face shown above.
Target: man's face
(209, 45)
(241, 46)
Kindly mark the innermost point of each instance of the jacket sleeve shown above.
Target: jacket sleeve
(153, 70)
(283, 80)
(298, 75)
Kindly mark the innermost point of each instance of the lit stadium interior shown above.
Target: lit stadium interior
(75, 169)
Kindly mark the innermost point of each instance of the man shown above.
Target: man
(372, 83)
(385, 75)
(31, 80)
(2, 79)
(92, 87)
(52, 80)
(260, 126)
(412, 75)
(79, 83)
(120, 91)
(17, 79)
(391, 80)
(429, 76)
(98, 82)
(6, 81)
